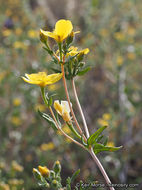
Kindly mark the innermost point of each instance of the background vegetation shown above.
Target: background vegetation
(110, 93)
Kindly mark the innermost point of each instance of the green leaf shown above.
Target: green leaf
(93, 138)
(100, 147)
(75, 175)
(48, 119)
(105, 141)
(84, 71)
(99, 138)
(83, 142)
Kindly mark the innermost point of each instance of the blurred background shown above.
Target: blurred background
(110, 93)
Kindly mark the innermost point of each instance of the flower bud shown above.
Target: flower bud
(57, 167)
(37, 174)
(54, 183)
(43, 37)
(45, 172)
(52, 174)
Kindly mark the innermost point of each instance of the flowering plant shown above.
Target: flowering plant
(69, 64)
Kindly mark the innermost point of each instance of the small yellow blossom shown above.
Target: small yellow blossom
(110, 144)
(6, 32)
(106, 116)
(32, 34)
(74, 50)
(17, 167)
(40, 107)
(102, 122)
(66, 129)
(16, 120)
(2, 164)
(19, 45)
(54, 87)
(131, 56)
(17, 102)
(119, 60)
(18, 31)
(119, 36)
(131, 31)
(44, 171)
(48, 146)
(4, 186)
(42, 79)
(104, 32)
(63, 29)
(15, 182)
(63, 109)
(29, 158)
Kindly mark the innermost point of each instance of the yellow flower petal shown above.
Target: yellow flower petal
(42, 79)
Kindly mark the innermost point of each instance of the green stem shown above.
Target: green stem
(73, 130)
(60, 50)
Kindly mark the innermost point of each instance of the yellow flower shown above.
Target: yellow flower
(16, 120)
(17, 167)
(42, 79)
(32, 34)
(17, 101)
(63, 109)
(74, 50)
(4, 186)
(131, 56)
(48, 146)
(7, 32)
(106, 116)
(119, 36)
(40, 107)
(110, 144)
(15, 182)
(18, 31)
(44, 171)
(102, 122)
(19, 45)
(119, 60)
(63, 29)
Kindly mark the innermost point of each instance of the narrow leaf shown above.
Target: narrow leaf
(84, 71)
(100, 147)
(48, 119)
(75, 175)
(93, 138)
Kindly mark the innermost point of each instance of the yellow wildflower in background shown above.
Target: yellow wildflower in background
(18, 31)
(4, 186)
(16, 101)
(63, 109)
(106, 116)
(32, 34)
(102, 122)
(15, 120)
(17, 167)
(19, 45)
(119, 60)
(6, 32)
(74, 50)
(15, 182)
(44, 171)
(42, 79)
(40, 107)
(131, 56)
(63, 29)
(119, 36)
(48, 146)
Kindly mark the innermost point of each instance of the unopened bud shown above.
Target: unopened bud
(57, 167)
(55, 183)
(37, 174)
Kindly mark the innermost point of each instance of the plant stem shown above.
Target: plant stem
(68, 99)
(80, 109)
(52, 113)
(87, 134)
(101, 169)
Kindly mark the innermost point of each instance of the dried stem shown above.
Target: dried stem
(68, 99)
(87, 134)
(80, 109)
